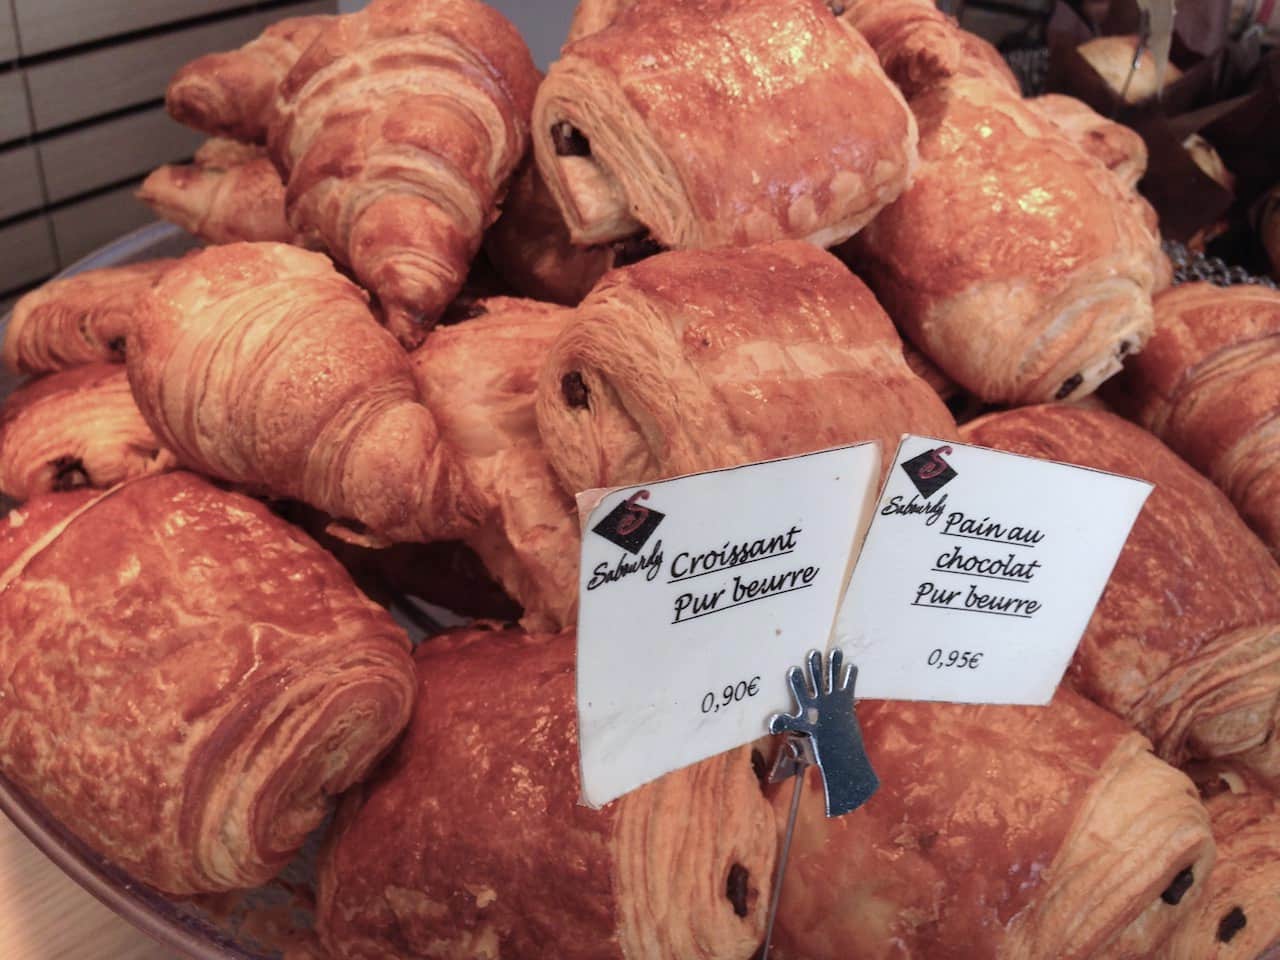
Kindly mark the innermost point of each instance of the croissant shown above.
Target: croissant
(1239, 915)
(261, 364)
(230, 192)
(478, 379)
(718, 123)
(592, 16)
(1210, 388)
(397, 132)
(1018, 263)
(187, 678)
(695, 360)
(530, 246)
(680, 869)
(230, 94)
(921, 48)
(84, 318)
(1002, 832)
(1185, 642)
(76, 428)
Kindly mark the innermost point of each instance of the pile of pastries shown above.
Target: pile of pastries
(442, 294)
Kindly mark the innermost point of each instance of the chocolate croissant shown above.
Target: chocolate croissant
(1210, 388)
(187, 679)
(1013, 832)
(695, 360)
(470, 841)
(1239, 916)
(84, 318)
(397, 132)
(728, 122)
(478, 378)
(1185, 642)
(1017, 262)
(261, 364)
(75, 428)
(1117, 147)
(230, 94)
(230, 192)
(922, 48)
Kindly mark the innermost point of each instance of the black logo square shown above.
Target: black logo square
(929, 472)
(629, 524)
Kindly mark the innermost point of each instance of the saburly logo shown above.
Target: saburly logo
(929, 472)
(630, 524)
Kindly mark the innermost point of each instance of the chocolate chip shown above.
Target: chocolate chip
(69, 473)
(1069, 386)
(1231, 923)
(736, 888)
(569, 141)
(634, 249)
(116, 346)
(758, 766)
(575, 390)
(1176, 890)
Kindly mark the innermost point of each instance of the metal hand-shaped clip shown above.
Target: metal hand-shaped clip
(826, 717)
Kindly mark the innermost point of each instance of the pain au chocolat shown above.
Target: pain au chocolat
(718, 123)
(997, 832)
(187, 679)
(1185, 641)
(470, 841)
(693, 360)
(75, 428)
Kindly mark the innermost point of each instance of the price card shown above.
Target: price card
(696, 596)
(980, 572)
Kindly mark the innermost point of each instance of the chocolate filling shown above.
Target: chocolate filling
(569, 141)
(736, 888)
(759, 767)
(1124, 348)
(116, 346)
(1069, 386)
(836, 7)
(634, 249)
(1176, 890)
(1232, 923)
(69, 473)
(575, 390)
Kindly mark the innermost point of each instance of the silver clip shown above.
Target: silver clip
(1144, 40)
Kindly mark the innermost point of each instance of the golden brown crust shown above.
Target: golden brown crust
(230, 94)
(1117, 147)
(1185, 642)
(397, 132)
(231, 192)
(530, 245)
(1210, 388)
(75, 428)
(470, 841)
(1018, 263)
(943, 862)
(85, 318)
(695, 360)
(261, 364)
(1240, 913)
(921, 47)
(592, 16)
(665, 98)
(186, 678)
(479, 378)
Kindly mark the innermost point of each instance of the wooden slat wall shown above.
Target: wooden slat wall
(78, 130)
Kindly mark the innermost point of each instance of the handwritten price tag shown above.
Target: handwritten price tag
(980, 572)
(696, 596)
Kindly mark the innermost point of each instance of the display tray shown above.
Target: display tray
(249, 925)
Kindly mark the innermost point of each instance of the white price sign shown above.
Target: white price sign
(696, 595)
(980, 572)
